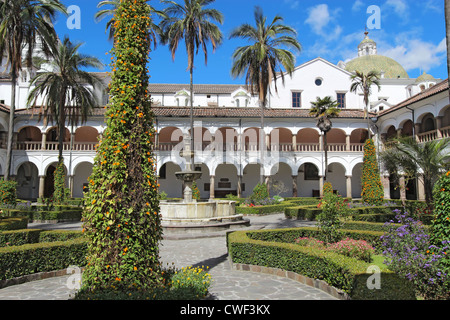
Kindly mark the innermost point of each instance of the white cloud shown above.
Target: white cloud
(293, 4)
(418, 54)
(400, 6)
(318, 18)
(357, 5)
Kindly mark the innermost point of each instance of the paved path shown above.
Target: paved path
(208, 251)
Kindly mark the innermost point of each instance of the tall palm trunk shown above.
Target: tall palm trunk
(261, 132)
(191, 89)
(12, 112)
(62, 127)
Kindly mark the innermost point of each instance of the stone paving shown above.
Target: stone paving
(209, 251)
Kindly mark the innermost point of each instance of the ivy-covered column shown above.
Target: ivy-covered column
(372, 189)
(122, 215)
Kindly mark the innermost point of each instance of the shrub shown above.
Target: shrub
(358, 249)
(440, 229)
(408, 253)
(260, 195)
(8, 192)
(372, 189)
(41, 257)
(334, 208)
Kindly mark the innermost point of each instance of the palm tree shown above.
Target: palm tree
(427, 159)
(194, 24)
(22, 23)
(114, 4)
(67, 92)
(262, 61)
(364, 82)
(324, 109)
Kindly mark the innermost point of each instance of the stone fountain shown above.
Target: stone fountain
(192, 216)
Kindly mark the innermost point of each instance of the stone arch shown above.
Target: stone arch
(27, 178)
(168, 181)
(169, 137)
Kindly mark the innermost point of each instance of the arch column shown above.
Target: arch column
(294, 142)
(438, 127)
(321, 181)
(349, 186)
(70, 178)
(44, 141)
(347, 142)
(41, 186)
(239, 186)
(294, 187)
(386, 186)
(211, 187)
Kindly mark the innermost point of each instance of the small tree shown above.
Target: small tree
(372, 189)
(334, 210)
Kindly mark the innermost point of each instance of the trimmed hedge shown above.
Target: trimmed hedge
(41, 257)
(344, 273)
(58, 214)
(28, 236)
(13, 223)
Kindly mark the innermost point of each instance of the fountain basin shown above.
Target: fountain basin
(200, 216)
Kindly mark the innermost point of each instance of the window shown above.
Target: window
(296, 99)
(341, 100)
(318, 82)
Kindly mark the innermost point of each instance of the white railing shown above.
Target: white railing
(308, 147)
(53, 146)
(427, 136)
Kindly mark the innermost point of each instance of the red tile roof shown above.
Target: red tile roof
(436, 89)
(224, 112)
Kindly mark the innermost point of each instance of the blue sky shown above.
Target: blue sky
(411, 32)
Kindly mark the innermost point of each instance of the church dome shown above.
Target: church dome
(368, 60)
(425, 77)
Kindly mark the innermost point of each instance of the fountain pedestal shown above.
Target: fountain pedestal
(192, 216)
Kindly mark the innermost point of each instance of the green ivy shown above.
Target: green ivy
(61, 193)
(122, 215)
(372, 189)
(8, 192)
(441, 223)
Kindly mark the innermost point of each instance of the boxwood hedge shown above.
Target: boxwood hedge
(344, 273)
(41, 257)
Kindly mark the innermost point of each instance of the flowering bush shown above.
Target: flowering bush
(408, 253)
(7, 192)
(358, 249)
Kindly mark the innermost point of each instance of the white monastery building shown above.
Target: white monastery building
(227, 120)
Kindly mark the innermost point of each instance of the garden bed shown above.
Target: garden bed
(277, 249)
